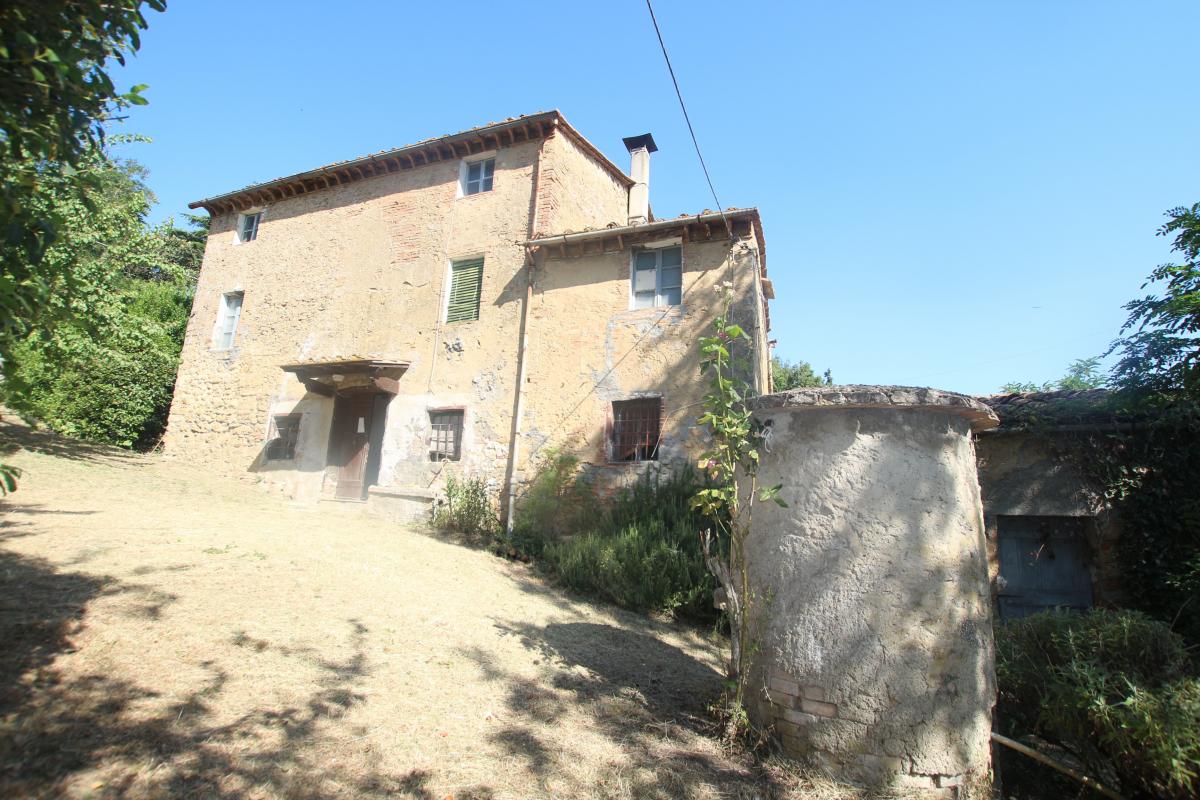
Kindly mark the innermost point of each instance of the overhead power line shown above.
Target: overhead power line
(687, 119)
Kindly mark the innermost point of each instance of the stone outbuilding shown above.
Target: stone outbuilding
(1051, 533)
(873, 637)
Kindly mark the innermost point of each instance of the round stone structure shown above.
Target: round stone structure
(873, 632)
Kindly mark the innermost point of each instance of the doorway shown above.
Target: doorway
(1043, 564)
(355, 441)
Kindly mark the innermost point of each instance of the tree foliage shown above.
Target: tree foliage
(105, 371)
(1160, 348)
(731, 464)
(55, 97)
(1083, 373)
(794, 375)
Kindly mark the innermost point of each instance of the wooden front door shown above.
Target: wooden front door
(350, 442)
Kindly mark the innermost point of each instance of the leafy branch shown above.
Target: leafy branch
(731, 465)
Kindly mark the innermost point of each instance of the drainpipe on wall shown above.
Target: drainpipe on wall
(514, 447)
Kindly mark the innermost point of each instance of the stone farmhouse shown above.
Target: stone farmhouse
(361, 331)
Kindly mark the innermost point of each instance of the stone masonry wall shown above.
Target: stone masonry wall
(358, 270)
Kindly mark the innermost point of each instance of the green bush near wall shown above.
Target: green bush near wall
(638, 549)
(1115, 688)
(113, 385)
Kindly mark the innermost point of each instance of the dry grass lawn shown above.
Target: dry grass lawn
(167, 633)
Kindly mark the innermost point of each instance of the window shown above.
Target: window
(285, 432)
(634, 434)
(657, 277)
(227, 319)
(477, 176)
(248, 226)
(445, 440)
(466, 282)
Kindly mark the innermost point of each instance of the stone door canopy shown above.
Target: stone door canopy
(326, 377)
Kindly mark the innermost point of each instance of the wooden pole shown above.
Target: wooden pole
(1087, 781)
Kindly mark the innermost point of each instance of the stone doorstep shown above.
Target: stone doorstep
(402, 493)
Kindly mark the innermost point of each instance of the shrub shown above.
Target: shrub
(1114, 688)
(111, 385)
(467, 510)
(638, 549)
(557, 502)
(645, 566)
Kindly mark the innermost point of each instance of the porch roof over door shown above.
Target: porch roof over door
(324, 376)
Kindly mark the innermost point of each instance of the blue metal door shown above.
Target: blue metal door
(1043, 564)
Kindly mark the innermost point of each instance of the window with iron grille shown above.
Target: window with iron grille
(466, 284)
(477, 176)
(248, 226)
(635, 430)
(285, 431)
(445, 438)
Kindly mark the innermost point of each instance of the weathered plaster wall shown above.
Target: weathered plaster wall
(1022, 475)
(587, 348)
(876, 651)
(359, 270)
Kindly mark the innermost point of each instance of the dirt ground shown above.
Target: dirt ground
(164, 632)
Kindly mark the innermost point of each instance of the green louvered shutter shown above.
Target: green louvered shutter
(466, 281)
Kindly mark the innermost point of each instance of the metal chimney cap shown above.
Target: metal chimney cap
(637, 142)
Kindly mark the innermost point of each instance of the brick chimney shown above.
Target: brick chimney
(640, 148)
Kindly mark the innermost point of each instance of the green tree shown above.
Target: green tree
(1083, 373)
(793, 375)
(107, 375)
(1160, 348)
(55, 97)
(731, 465)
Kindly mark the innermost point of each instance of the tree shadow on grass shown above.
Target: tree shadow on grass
(15, 436)
(59, 728)
(639, 693)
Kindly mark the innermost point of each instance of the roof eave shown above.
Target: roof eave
(554, 117)
(707, 217)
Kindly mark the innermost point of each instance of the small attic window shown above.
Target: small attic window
(477, 176)
(657, 277)
(247, 229)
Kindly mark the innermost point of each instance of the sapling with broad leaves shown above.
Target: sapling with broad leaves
(731, 465)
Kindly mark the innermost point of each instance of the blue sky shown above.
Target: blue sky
(955, 194)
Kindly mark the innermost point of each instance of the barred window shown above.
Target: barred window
(445, 440)
(635, 431)
(285, 430)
